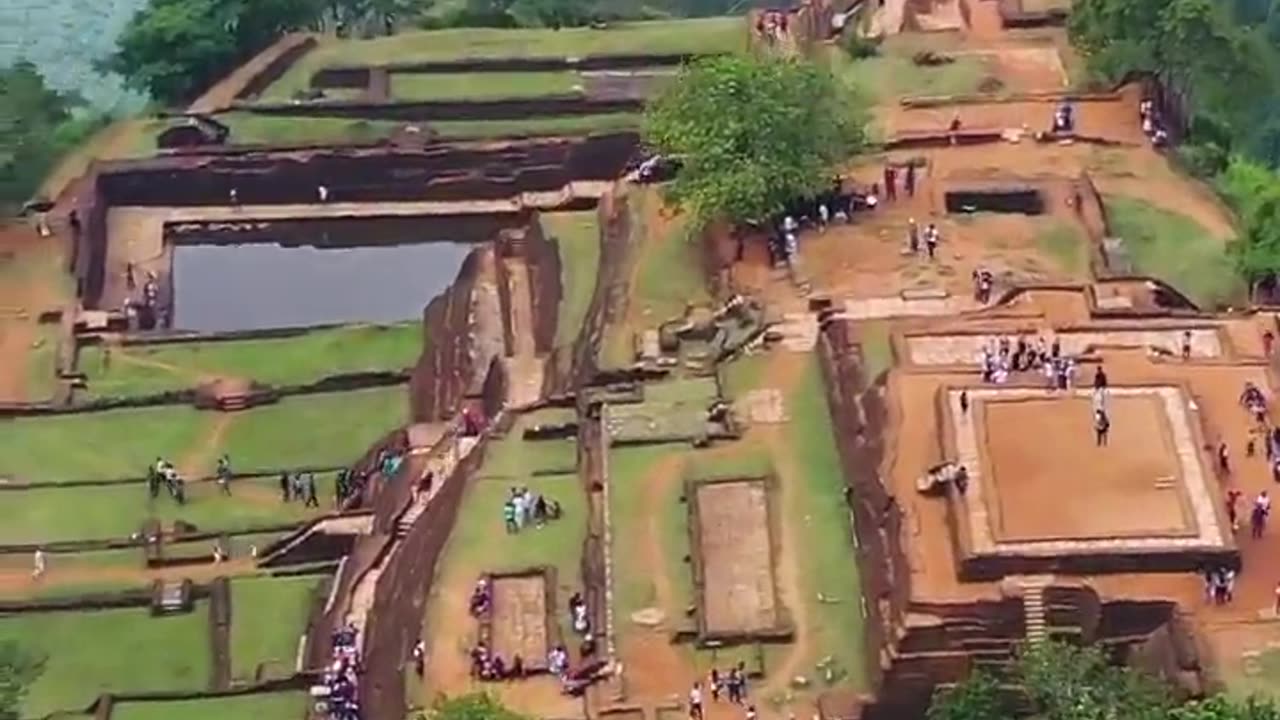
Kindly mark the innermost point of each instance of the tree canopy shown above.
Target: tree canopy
(1065, 682)
(36, 127)
(175, 48)
(753, 133)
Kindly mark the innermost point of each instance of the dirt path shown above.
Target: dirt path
(198, 460)
(26, 289)
(525, 365)
(658, 485)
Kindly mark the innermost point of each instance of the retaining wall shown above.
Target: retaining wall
(347, 76)
(444, 369)
(608, 299)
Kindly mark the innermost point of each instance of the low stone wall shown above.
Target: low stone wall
(346, 76)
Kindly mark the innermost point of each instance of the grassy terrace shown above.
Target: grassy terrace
(461, 86)
(330, 428)
(1175, 249)
(150, 369)
(892, 74)
(88, 653)
(268, 615)
(250, 129)
(265, 706)
(577, 237)
(721, 34)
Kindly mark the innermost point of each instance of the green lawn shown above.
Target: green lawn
(326, 429)
(1175, 249)
(554, 125)
(117, 511)
(149, 369)
(88, 653)
(268, 706)
(512, 457)
(1065, 244)
(892, 74)
(268, 615)
(827, 567)
(463, 86)
(252, 129)
(719, 34)
(629, 495)
(577, 238)
(117, 443)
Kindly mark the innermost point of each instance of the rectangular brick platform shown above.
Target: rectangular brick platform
(1042, 497)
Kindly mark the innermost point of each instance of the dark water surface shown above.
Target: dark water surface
(217, 288)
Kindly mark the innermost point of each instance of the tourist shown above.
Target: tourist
(219, 554)
(234, 196)
(931, 240)
(751, 712)
(1233, 512)
(1101, 427)
(312, 501)
(481, 597)
(285, 486)
(872, 198)
(224, 474)
(323, 193)
(890, 183)
(419, 657)
(1224, 459)
(713, 684)
(1186, 344)
(517, 502)
(509, 516)
(38, 565)
(909, 182)
(695, 702)
(964, 402)
(913, 236)
(1268, 343)
(1258, 517)
(1100, 378)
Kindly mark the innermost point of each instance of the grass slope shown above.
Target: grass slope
(89, 653)
(1175, 249)
(577, 238)
(719, 34)
(306, 358)
(268, 615)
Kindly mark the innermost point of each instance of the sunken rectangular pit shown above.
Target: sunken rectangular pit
(522, 619)
(736, 595)
(1043, 497)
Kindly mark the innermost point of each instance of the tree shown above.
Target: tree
(1065, 682)
(977, 698)
(36, 127)
(753, 134)
(1257, 251)
(475, 706)
(174, 48)
(17, 671)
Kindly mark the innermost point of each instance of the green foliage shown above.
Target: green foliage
(475, 706)
(36, 127)
(17, 671)
(1221, 707)
(1257, 252)
(1202, 160)
(977, 698)
(753, 133)
(174, 48)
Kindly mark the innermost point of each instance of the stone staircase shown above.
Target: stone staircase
(446, 455)
(1034, 614)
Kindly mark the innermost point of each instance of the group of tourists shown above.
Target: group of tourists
(525, 508)
(732, 685)
(146, 312)
(299, 486)
(338, 694)
(1003, 355)
(1219, 584)
(771, 26)
(162, 472)
(1254, 402)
